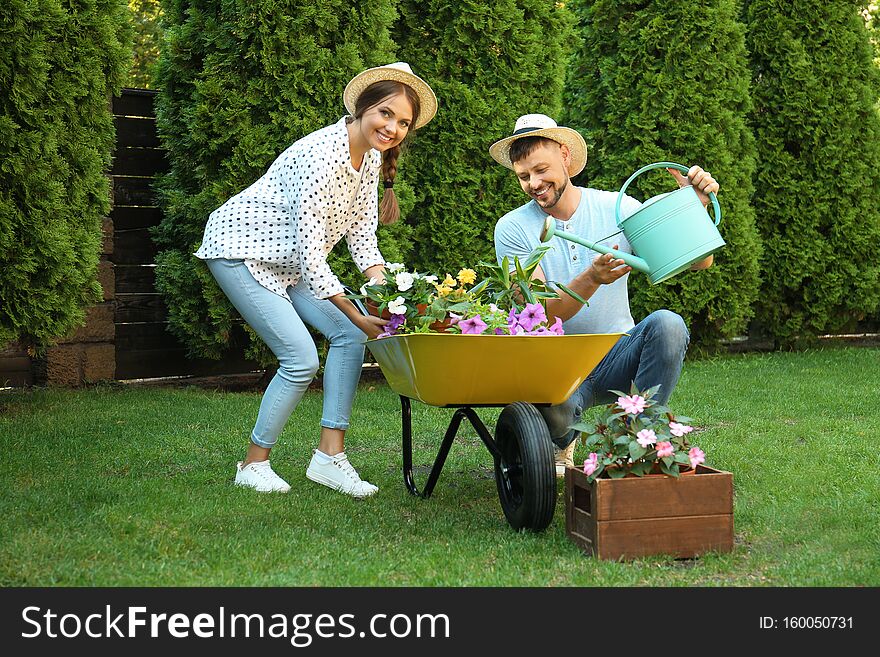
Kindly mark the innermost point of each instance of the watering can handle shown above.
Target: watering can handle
(657, 165)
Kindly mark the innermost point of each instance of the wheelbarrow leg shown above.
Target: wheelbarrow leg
(451, 431)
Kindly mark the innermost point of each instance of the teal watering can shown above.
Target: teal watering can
(669, 233)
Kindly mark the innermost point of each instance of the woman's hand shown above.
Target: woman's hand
(372, 327)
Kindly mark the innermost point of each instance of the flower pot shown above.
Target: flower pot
(635, 517)
(438, 327)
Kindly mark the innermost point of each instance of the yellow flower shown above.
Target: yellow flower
(442, 290)
(449, 281)
(467, 276)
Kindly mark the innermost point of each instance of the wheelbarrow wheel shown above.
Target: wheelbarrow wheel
(525, 473)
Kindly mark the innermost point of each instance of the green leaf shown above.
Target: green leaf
(574, 295)
(636, 451)
(616, 473)
(586, 427)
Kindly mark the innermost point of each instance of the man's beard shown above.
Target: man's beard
(556, 196)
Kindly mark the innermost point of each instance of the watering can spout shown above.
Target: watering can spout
(549, 232)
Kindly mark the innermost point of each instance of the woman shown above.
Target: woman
(267, 248)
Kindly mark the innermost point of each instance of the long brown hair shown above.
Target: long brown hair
(389, 211)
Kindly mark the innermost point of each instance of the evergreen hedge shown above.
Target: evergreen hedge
(488, 62)
(668, 80)
(145, 16)
(59, 67)
(240, 82)
(817, 184)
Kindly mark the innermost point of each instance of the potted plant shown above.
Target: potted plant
(629, 498)
(508, 301)
(399, 292)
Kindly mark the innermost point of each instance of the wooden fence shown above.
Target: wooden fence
(131, 325)
(144, 347)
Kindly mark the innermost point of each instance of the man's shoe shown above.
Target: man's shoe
(260, 476)
(339, 475)
(564, 457)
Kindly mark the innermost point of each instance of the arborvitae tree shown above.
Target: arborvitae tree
(668, 80)
(241, 81)
(817, 184)
(145, 16)
(59, 67)
(488, 62)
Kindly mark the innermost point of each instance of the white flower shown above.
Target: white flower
(493, 307)
(431, 278)
(394, 266)
(372, 281)
(397, 307)
(404, 281)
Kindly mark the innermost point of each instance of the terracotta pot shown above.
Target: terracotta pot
(438, 327)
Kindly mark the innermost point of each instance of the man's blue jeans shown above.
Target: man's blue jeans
(652, 353)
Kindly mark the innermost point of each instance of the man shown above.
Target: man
(545, 157)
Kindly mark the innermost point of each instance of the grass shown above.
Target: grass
(126, 486)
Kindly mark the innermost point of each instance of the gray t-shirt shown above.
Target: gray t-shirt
(518, 233)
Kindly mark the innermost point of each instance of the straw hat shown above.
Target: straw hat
(541, 125)
(399, 72)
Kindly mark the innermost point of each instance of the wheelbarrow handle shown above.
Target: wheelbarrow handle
(357, 302)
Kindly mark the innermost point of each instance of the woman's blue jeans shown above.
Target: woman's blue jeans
(652, 353)
(281, 324)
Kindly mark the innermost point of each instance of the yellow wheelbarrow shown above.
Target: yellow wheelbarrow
(517, 372)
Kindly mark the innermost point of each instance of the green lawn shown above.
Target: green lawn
(126, 486)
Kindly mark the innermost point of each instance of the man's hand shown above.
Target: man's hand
(607, 269)
(702, 181)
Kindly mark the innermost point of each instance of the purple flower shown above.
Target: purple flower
(532, 315)
(395, 322)
(557, 327)
(473, 326)
(541, 330)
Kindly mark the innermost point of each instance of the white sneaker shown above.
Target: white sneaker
(260, 476)
(564, 458)
(339, 475)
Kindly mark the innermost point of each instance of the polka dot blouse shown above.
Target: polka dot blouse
(284, 225)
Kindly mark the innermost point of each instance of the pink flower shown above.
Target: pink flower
(454, 319)
(665, 449)
(557, 327)
(634, 404)
(532, 315)
(591, 463)
(541, 330)
(646, 437)
(677, 429)
(696, 456)
(473, 326)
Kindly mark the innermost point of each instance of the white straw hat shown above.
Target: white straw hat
(399, 72)
(541, 125)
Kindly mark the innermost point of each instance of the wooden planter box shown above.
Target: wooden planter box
(640, 516)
